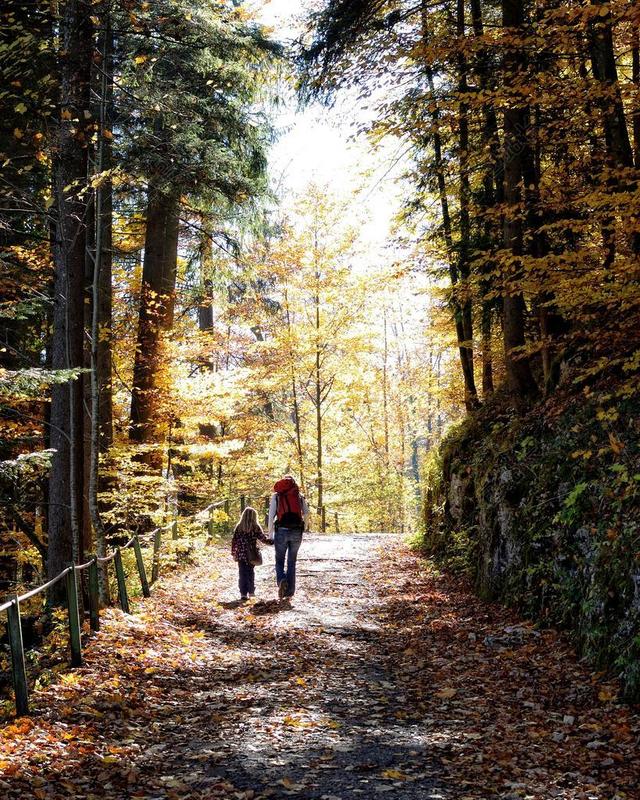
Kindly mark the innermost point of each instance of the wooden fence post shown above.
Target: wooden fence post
(210, 524)
(337, 523)
(94, 595)
(122, 585)
(243, 503)
(155, 566)
(267, 503)
(74, 616)
(144, 583)
(14, 627)
(227, 511)
(174, 529)
(323, 519)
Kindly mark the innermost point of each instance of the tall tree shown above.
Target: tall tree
(206, 144)
(458, 261)
(516, 151)
(157, 298)
(103, 289)
(67, 487)
(464, 188)
(101, 273)
(605, 72)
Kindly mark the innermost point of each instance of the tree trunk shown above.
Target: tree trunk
(66, 486)
(318, 401)
(491, 131)
(516, 124)
(493, 191)
(296, 417)
(105, 225)
(603, 64)
(101, 304)
(385, 393)
(607, 225)
(465, 196)
(635, 114)
(205, 306)
(466, 354)
(487, 355)
(401, 467)
(205, 313)
(294, 395)
(616, 134)
(87, 377)
(205, 319)
(157, 300)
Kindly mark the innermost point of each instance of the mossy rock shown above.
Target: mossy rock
(542, 510)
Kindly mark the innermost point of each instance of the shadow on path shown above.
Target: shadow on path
(382, 678)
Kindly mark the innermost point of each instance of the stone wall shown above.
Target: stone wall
(543, 512)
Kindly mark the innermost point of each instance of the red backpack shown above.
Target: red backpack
(288, 504)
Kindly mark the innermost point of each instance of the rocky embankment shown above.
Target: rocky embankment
(543, 511)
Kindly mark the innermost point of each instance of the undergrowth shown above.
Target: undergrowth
(542, 510)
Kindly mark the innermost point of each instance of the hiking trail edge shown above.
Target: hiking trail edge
(381, 678)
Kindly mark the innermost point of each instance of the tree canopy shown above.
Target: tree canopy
(180, 322)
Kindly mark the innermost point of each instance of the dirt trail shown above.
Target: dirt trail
(381, 678)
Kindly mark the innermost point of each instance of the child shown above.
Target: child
(246, 532)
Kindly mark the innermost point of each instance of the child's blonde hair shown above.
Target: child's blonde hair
(248, 521)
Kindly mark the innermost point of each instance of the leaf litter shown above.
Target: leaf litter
(382, 677)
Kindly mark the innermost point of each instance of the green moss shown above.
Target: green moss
(547, 518)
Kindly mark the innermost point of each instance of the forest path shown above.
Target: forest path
(382, 678)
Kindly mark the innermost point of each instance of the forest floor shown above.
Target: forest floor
(382, 678)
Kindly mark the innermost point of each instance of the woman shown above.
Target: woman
(288, 512)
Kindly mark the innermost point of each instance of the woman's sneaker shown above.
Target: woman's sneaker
(283, 589)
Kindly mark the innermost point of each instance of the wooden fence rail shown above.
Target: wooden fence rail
(69, 575)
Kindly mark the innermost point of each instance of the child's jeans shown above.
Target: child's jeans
(247, 577)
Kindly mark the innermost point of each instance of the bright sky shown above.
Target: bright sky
(317, 144)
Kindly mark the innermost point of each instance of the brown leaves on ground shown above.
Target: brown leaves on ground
(380, 677)
(512, 712)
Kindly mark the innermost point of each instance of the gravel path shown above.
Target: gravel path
(380, 678)
(317, 712)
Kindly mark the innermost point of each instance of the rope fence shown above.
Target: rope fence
(12, 606)
(152, 539)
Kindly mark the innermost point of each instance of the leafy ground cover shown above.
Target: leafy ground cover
(382, 677)
(542, 511)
